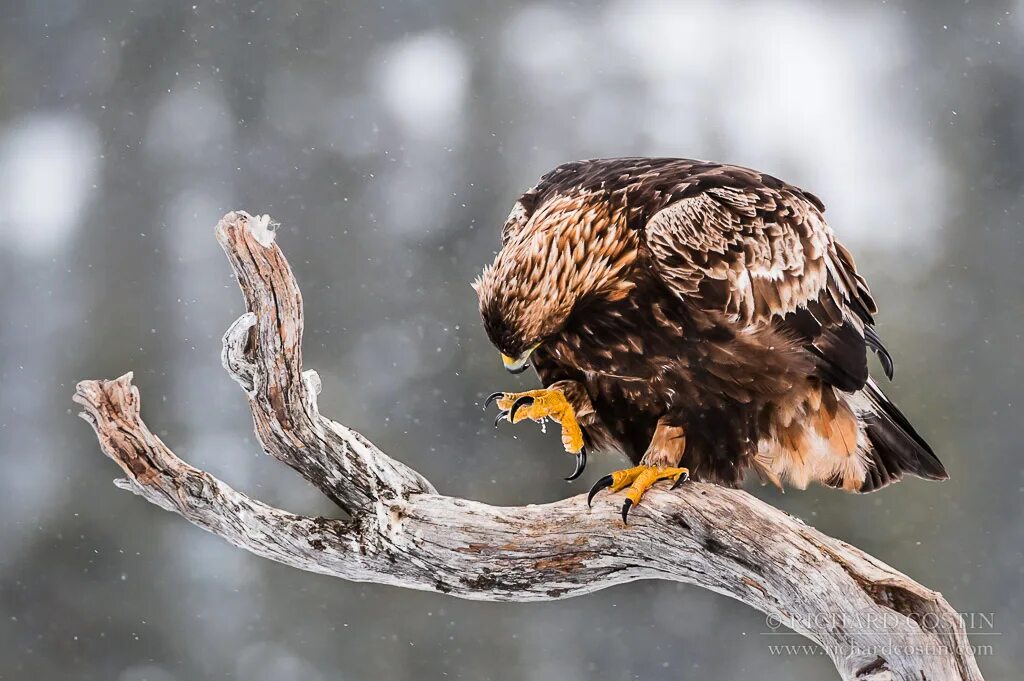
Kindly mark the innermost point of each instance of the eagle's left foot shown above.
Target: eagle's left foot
(639, 479)
(541, 404)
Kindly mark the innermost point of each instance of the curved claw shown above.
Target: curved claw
(581, 463)
(501, 415)
(491, 398)
(626, 505)
(524, 401)
(601, 484)
(682, 478)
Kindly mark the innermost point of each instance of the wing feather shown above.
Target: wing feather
(760, 252)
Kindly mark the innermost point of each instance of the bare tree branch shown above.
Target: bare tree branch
(873, 621)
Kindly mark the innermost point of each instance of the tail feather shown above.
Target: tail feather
(896, 448)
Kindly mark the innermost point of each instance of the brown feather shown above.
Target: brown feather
(702, 298)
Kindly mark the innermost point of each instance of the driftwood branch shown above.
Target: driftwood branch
(873, 621)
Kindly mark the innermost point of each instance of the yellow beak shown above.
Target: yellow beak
(517, 365)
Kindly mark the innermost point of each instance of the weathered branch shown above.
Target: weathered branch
(872, 620)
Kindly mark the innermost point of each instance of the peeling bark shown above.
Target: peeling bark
(874, 622)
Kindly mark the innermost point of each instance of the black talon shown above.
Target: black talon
(491, 398)
(682, 478)
(581, 463)
(601, 484)
(524, 401)
(626, 505)
(501, 415)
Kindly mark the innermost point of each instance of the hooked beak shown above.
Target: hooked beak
(517, 365)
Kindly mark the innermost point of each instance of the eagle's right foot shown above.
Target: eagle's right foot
(639, 479)
(540, 404)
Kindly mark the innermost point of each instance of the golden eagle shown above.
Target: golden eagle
(683, 311)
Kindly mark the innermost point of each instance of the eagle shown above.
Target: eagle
(700, 318)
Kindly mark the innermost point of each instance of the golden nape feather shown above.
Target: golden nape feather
(699, 318)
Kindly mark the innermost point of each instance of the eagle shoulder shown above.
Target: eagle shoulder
(760, 251)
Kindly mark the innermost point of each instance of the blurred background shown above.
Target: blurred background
(390, 142)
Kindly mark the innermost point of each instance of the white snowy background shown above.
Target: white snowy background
(390, 141)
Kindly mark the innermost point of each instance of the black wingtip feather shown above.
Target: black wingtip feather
(875, 343)
(896, 448)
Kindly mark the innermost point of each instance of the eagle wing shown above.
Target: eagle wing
(760, 251)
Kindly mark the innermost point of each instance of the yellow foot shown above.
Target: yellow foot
(639, 479)
(542, 404)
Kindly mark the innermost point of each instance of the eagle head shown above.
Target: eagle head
(567, 251)
(518, 314)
